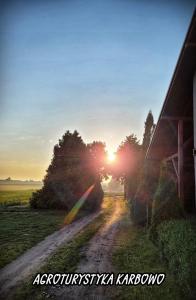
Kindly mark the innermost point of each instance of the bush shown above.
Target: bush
(95, 199)
(166, 204)
(53, 195)
(58, 195)
(176, 240)
(140, 205)
(138, 208)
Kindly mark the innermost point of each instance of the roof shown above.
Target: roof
(178, 101)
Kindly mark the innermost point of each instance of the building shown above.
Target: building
(174, 139)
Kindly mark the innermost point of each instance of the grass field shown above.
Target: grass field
(137, 254)
(19, 197)
(21, 228)
(19, 187)
(65, 259)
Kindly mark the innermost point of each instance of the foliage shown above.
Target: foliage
(148, 131)
(97, 156)
(141, 204)
(127, 167)
(137, 254)
(54, 194)
(176, 240)
(95, 199)
(138, 209)
(73, 169)
(166, 204)
(127, 155)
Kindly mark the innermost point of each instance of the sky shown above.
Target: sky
(94, 66)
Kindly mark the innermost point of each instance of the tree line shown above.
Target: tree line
(75, 166)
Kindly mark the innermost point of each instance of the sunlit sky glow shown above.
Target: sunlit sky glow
(111, 156)
(94, 66)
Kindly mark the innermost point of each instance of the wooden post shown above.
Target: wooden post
(180, 160)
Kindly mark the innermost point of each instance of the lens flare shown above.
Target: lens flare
(75, 209)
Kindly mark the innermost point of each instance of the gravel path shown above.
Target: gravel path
(15, 272)
(97, 260)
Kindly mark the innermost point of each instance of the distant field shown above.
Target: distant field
(19, 187)
(16, 197)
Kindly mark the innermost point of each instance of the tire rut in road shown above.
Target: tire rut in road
(97, 260)
(18, 270)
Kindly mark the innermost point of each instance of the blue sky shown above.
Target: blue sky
(94, 66)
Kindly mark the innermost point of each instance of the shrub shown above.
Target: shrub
(95, 198)
(58, 195)
(53, 195)
(138, 207)
(141, 204)
(176, 240)
(166, 204)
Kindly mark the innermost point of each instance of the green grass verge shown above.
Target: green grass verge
(21, 228)
(9, 198)
(176, 240)
(64, 260)
(137, 254)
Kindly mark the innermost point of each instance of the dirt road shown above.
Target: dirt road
(97, 260)
(12, 274)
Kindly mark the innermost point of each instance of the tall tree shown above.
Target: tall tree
(148, 131)
(97, 158)
(141, 204)
(69, 175)
(127, 165)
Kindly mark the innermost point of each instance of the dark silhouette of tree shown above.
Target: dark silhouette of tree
(148, 131)
(97, 158)
(72, 171)
(141, 204)
(127, 164)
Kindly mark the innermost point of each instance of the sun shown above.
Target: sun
(111, 157)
